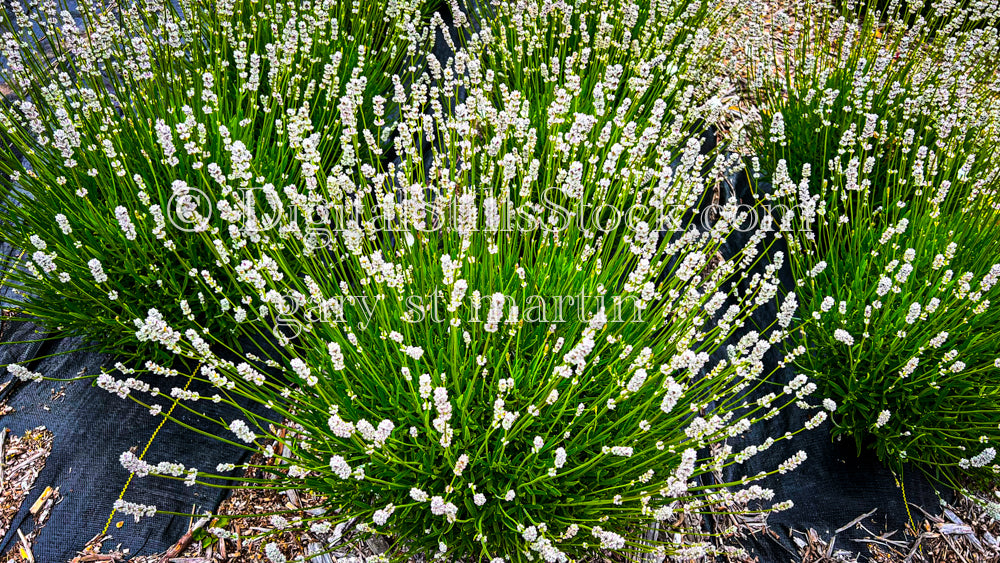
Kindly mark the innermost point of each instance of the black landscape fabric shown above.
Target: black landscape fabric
(91, 429)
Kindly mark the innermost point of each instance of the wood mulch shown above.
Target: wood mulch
(963, 533)
(251, 533)
(21, 460)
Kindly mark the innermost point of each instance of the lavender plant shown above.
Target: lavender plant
(513, 341)
(122, 124)
(884, 148)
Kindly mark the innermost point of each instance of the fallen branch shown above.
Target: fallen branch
(96, 557)
(3, 438)
(27, 461)
(26, 548)
(182, 543)
(855, 521)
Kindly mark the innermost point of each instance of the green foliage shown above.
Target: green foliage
(149, 113)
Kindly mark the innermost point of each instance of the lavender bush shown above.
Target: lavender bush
(882, 140)
(123, 127)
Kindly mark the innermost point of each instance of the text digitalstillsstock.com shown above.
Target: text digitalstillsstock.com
(193, 210)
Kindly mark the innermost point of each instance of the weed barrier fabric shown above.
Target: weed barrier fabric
(835, 485)
(91, 429)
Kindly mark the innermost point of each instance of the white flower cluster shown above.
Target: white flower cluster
(792, 462)
(843, 336)
(242, 431)
(382, 515)
(135, 510)
(439, 507)
(377, 436)
(273, 553)
(23, 373)
(122, 215)
(609, 540)
(340, 467)
(97, 270)
(883, 418)
(154, 328)
(122, 388)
